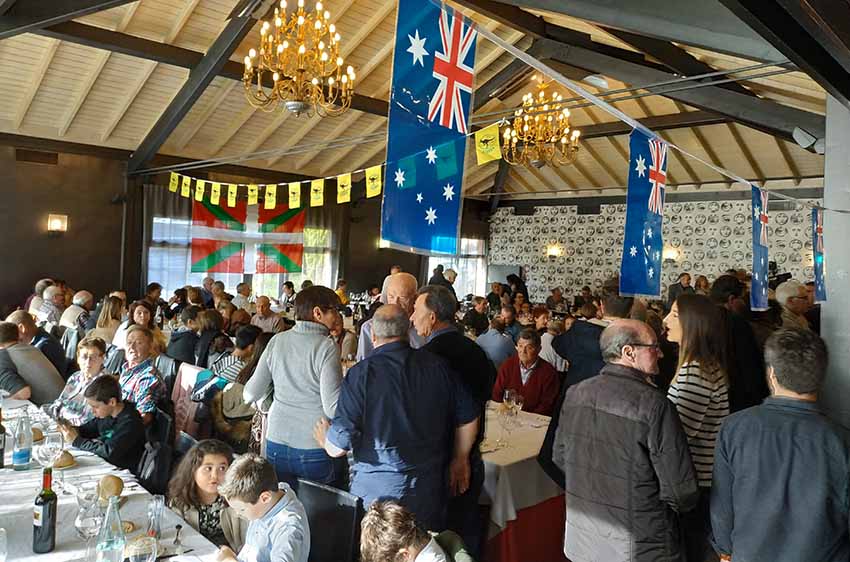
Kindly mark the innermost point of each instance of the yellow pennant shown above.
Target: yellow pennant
(317, 193)
(487, 147)
(174, 182)
(373, 181)
(343, 188)
(271, 197)
(232, 189)
(215, 193)
(199, 190)
(294, 195)
(186, 187)
(253, 194)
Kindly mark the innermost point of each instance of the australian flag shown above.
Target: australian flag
(429, 110)
(817, 251)
(758, 288)
(640, 270)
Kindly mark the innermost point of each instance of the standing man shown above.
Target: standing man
(794, 299)
(265, 319)
(782, 469)
(433, 318)
(400, 290)
(682, 285)
(407, 418)
(627, 467)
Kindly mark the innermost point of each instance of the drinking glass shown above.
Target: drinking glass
(4, 545)
(90, 516)
(142, 549)
(518, 402)
(509, 398)
(50, 451)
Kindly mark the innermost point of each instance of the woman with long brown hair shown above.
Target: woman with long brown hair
(700, 391)
(193, 493)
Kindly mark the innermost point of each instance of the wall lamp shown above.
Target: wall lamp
(57, 225)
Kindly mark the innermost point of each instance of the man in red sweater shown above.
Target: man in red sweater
(529, 375)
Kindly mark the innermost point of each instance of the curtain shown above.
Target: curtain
(168, 244)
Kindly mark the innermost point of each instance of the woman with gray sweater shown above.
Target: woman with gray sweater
(302, 368)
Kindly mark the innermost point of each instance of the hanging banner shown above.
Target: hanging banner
(759, 283)
(173, 182)
(487, 146)
(199, 190)
(294, 195)
(817, 254)
(232, 190)
(317, 193)
(640, 269)
(281, 247)
(253, 194)
(270, 201)
(186, 187)
(373, 181)
(343, 188)
(427, 140)
(215, 193)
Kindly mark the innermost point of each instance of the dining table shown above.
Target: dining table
(526, 507)
(19, 488)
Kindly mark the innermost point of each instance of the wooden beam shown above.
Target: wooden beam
(39, 73)
(544, 183)
(516, 177)
(591, 114)
(147, 69)
(233, 127)
(603, 164)
(374, 127)
(209, 111)
(586, 175)
(564, 177)
(745, 150)
(31, 15)
(100, 60)
(786, 155)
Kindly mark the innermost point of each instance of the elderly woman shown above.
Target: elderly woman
(139, 379)
(71, 405)
(141, 314)
(303, 368)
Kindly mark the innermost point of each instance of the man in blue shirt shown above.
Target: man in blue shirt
(498, 345)
(782, 469)
(399, 411)
(512, 327)
(40, 339)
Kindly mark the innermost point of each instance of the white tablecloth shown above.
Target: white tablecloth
(18, 490)
(512, 478)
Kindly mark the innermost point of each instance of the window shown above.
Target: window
(170, 251)
(471, 267)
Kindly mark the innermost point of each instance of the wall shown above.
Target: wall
(709, 237)
(88, 255)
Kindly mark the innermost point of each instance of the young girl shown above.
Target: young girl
(193, 494)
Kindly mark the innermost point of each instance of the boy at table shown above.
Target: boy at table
(116, 433)
(278, 529)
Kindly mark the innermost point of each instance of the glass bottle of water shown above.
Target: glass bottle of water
(22, 453)
(110, 540)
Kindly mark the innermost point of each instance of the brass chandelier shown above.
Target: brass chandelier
(301, 56)
(540, 132)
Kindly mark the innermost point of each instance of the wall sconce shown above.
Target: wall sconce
(57, 225)
(670, 254)
(554, 251)
(383, 243)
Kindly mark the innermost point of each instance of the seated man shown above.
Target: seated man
(53, 306)
(476, 317)
(116, 433)
(185, 338)
(401, 411)
(10, 381)
(140, 381)
(278, 530)
(77, 315)
(265, 319)
(31, 365)
(512, 327)
(496, 343)
(532, 377)
(37, 337)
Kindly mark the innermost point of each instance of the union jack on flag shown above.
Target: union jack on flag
(763, 218)
(657, 175)
(457, 37)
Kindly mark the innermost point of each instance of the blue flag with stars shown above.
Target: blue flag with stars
(430, 99)
(817, 254)
(759, 284)
(640, 270)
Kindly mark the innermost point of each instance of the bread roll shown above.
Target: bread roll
(65, 460)
(110, 486)
(37, 435)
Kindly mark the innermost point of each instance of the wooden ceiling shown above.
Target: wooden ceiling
(66, 91)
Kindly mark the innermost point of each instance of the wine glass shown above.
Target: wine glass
(49, 453)
(518, 402)
(142, 549)
(509, 398)
(90, 516)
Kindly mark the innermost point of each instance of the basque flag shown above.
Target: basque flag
(430, 99)
(640, 270)
(817, 251)
(758, 287)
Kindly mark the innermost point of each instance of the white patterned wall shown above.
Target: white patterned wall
(710, 236)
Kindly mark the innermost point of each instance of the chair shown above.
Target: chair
(167, 367)
(114, 359)
(155, 465)
(182, 444)
(69, 342)
(335, 515)
(181, 395)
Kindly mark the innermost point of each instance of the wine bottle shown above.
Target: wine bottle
(2, 442)
(44, 516)
(22, 453)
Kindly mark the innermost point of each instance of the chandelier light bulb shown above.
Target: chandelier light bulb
(331, 28)
(247, 61)
(285, 44)
(302, 49)
(344, 79)
(318, 7)
(576, 134)
(275, 76)
(336, 37)
(300, 20)
(279, 49)
(330, 80)
(315, 81)
(324, 57)
(321, 45)
(283, 4)
(327, 15)
(252, 53)
(339, 61)
(300, 3)
(278, 22)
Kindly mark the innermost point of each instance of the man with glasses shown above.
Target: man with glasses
(628, 472)
(794, 299)
(400, 290)
(747, 383)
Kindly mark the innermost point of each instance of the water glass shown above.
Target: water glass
(509, 397)
(142, 549)
(518, 402)
(90, 515)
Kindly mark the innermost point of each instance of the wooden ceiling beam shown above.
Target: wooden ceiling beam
(35, 83)
(745, 150)
(234, 127)
(538, 175)
(517, 178)
(564, 177)
(374, 127)
(786, 156)
(25, 16)
(211, 109)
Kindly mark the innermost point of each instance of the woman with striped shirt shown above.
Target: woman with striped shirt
(701, 395)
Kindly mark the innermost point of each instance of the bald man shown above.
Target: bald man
(47, 344)
(400, 290)
(265, 319)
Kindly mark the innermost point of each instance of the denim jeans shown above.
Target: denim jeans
(312, 464)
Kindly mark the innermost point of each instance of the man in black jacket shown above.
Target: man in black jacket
(580, 346)
(624, 454)
(116, 433)
(433, 318)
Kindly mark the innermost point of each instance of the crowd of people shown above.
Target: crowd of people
(677, 427)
